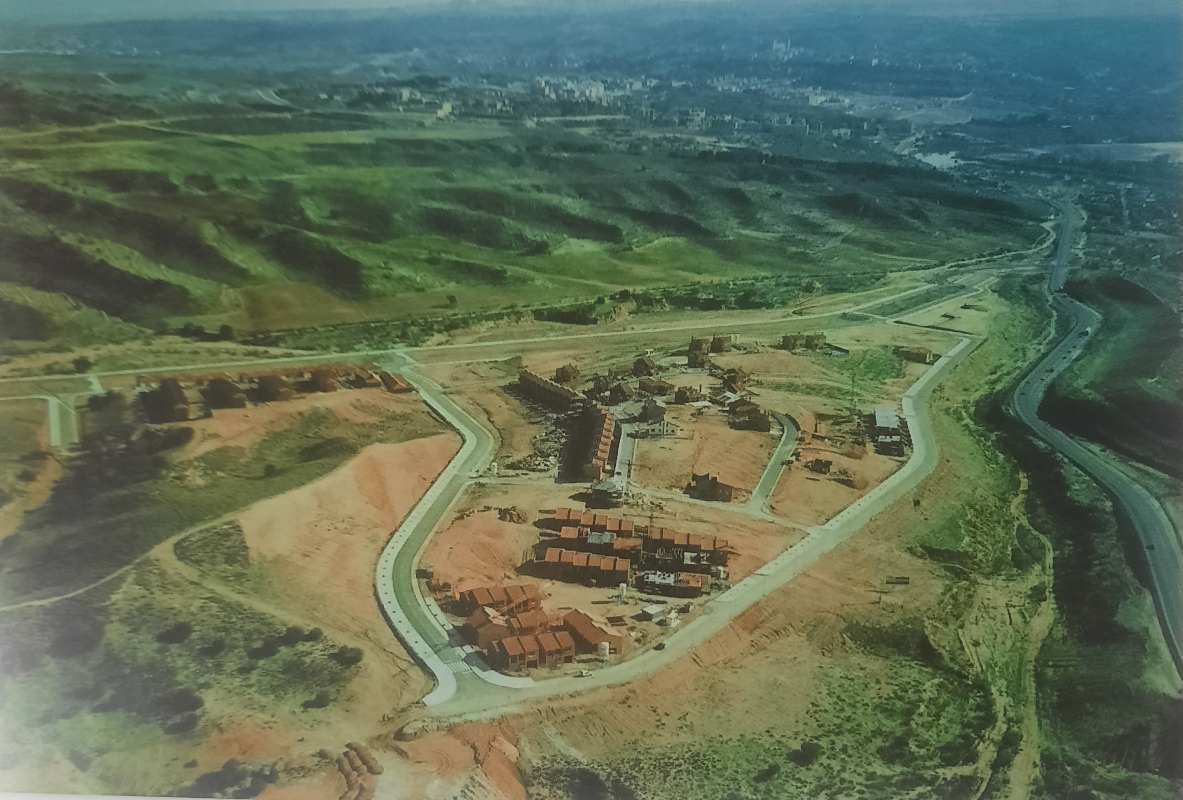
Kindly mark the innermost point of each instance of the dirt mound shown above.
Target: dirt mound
(479, 548)
(246, 427)
(322, 540)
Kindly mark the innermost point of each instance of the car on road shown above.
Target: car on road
(659, 646)
(583, 673)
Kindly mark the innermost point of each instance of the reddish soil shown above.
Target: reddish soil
(246, 427)
(705, 443)
(244, 740)
(478, 549)
(477, 760)
(322, 540)
(327, 785)
(809, 498)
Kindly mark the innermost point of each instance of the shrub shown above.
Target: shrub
(293, 634)
(175, 634)
(179, 701)
(320, 700)
(182, 724)
(806, 754)
(347, 656)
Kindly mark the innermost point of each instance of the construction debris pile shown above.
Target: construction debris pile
(358, 767)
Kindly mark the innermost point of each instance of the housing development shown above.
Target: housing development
(675, 401)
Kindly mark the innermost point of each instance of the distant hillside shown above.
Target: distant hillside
(270, 219)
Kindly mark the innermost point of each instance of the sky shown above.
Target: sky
(81, 10)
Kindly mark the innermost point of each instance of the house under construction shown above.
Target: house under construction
(599, 429)
(580, 567)
(673, 584)
(591, 520)
(549, 393)
(707, 486)
(510, 600)
(669, 550)
(193, 396)
(519, 653)
(487, 625)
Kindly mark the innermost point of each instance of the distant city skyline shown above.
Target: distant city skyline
(84, 10)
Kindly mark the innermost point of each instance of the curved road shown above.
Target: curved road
(464, 685)
(762, 494)
(1159, 539)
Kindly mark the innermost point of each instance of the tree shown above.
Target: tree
(453, 301)
(82, 364)
(226, 333)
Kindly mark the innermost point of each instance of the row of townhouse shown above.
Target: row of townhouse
(549, 393)
(185, 397)
(532, 639)
(600, 429)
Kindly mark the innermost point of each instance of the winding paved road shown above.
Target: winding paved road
(465, 688)
(1160, 541)
(762, 494)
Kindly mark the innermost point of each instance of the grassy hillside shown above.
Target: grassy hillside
(265, 220)
(1128, 393)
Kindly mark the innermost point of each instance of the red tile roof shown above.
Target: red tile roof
(587, 629)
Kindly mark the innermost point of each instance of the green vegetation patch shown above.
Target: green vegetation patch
(154, 663)
(53, 265)
(138, 496)
(1126, 392)
(862, 738)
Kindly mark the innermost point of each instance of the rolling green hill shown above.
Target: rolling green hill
(270, 220)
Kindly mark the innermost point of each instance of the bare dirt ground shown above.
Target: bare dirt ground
(246, 427)
(316, 548)
(705, 443)
(475, 548)
(321, 542)
(475, 760)
(481, 389)
(971, 315)
(811, 499)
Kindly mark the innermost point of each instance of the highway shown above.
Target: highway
(1157, 535)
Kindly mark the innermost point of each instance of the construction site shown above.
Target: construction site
(634, 487)
(180, 398)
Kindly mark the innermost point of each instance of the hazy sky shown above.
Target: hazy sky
(89, 9)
